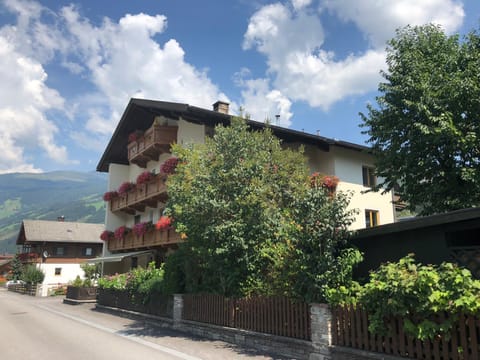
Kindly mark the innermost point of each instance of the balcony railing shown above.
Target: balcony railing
(144, 195)
(155, 141)
(28, 258)
(150, 239)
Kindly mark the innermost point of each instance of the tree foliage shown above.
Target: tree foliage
(17, 268)
(245, 204)
(425, 128)
(32, 275)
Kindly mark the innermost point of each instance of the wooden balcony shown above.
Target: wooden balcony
(155, 141)
(144, 195)
(29, 257)
(153, 238)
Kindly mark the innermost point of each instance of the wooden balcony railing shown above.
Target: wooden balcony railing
(155, 141)
(144, 195)
(28, 258)
(150, 239)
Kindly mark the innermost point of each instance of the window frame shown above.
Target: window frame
(373, 218)
(369, 178)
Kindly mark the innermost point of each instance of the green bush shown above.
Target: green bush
(140, 283)
(32, 275)
(78, 282)
(416, 293)
(115, 282)
(92, 273)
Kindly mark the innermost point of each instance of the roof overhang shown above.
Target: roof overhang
(117, 257)
(416, 223)
(139, 115)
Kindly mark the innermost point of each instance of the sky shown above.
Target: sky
(69, 68)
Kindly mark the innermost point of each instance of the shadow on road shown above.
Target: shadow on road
(144, 327)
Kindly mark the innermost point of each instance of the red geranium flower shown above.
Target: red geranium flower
(120, 232)
(169, 166)
(144, 177)
(109, 195)
(106, 235)
(164, 223)
(125, 187)
(142, 228)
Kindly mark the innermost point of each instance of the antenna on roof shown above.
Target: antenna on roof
(277, 119)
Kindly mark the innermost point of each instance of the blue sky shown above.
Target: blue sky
(68, 69)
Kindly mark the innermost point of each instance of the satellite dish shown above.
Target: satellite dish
(45, 254)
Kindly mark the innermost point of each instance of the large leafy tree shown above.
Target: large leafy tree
(236, 199)
(425, 128)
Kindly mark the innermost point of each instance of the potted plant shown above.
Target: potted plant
(84, 290)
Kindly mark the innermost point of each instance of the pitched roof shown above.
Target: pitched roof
(59, 231)
(139, 115)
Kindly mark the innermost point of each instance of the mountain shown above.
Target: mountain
(46, 196)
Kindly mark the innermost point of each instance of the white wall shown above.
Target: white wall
(348, 168)
(68, 273)
(189, 133)
(362, 201)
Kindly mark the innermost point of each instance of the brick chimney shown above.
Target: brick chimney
(221, 107)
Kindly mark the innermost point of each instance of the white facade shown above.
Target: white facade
(343, 162)
(66, 274)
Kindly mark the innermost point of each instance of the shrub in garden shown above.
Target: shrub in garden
(92, 273)
(417, 294)
(141, 283)
(32, 275)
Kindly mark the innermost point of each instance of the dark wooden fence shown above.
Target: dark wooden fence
(350, 329)
(272, 315)
(157, 304)
(26, 289)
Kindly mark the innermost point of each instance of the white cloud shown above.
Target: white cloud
(261, 103)
(124, 61)
(24, 100)
(120, 59)
(292, 38)
(378, 20)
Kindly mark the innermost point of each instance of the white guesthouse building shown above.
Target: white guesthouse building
(141, 142)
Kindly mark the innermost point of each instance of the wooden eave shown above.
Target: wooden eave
(139, 115)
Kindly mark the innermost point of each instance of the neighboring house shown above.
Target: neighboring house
(5, 266)
(452, 237)
(58, 248)
(142, 141)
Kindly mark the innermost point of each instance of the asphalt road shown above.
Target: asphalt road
(45, 328)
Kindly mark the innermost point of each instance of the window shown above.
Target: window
(59, 251)
(89, 251)
(371, 218)
(136, 219)
(369, 178)
(58, 271)
(134, 262)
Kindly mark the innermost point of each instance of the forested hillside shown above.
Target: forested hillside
(46, 196)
